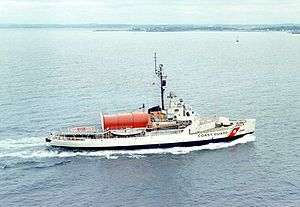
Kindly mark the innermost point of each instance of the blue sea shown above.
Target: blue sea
(55, 78)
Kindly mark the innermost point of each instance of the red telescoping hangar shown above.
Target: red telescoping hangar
(126, 120)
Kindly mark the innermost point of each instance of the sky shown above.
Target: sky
(149, 11)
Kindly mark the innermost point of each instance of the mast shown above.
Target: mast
(162, 79)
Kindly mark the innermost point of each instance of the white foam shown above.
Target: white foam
(42, 152)
(6, 144)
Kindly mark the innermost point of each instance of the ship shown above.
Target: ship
(169, 125)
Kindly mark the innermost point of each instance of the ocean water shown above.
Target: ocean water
(55, 78)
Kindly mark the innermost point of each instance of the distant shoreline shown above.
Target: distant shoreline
(292, 28)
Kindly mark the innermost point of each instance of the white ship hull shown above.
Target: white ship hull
(158, 139)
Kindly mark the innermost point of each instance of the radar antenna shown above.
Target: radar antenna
(162, 78)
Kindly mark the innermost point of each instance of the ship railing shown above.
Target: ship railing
(80, 137)
(78, 130)
(165, 132)
(80, 134)
(99, 134)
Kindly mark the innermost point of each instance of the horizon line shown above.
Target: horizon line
(160, 24)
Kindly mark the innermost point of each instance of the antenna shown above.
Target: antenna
(162, 78)
(155, 63)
